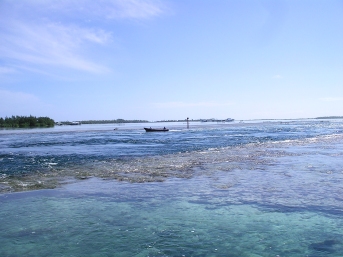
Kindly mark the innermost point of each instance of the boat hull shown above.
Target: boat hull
(156, 130)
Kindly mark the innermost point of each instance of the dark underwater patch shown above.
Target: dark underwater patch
(326, 246)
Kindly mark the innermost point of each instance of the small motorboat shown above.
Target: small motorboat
(156, 129)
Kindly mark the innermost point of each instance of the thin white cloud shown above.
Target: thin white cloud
(136, 9)
(46, 35)
(277, 77)
(90, 9)
(331, 99)
(51, 44)
(12, 98)
(6, 70)
(184, 104)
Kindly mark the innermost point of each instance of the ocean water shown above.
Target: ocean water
(256, 188)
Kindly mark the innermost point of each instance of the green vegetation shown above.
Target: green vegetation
(26, 122)
(112, 121)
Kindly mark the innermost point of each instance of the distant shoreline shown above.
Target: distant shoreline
(191, 120)
(330, 117)
(117, 121)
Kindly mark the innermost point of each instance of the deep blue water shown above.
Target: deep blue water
(25, 151)
(258, 188)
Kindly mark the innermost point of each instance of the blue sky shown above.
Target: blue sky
(160, 60)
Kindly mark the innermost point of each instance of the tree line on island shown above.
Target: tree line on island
(36, 122)
(26, 122)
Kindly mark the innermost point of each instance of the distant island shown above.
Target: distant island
(112, 121)
(134, 121)
(330, 117)
(26, 122)
(99, 122)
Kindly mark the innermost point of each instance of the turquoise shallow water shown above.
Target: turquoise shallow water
(255, 190)
(176, 218)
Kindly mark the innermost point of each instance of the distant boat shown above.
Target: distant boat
(229, 120)
(156, 130)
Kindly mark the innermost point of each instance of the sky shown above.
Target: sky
(152, 60)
